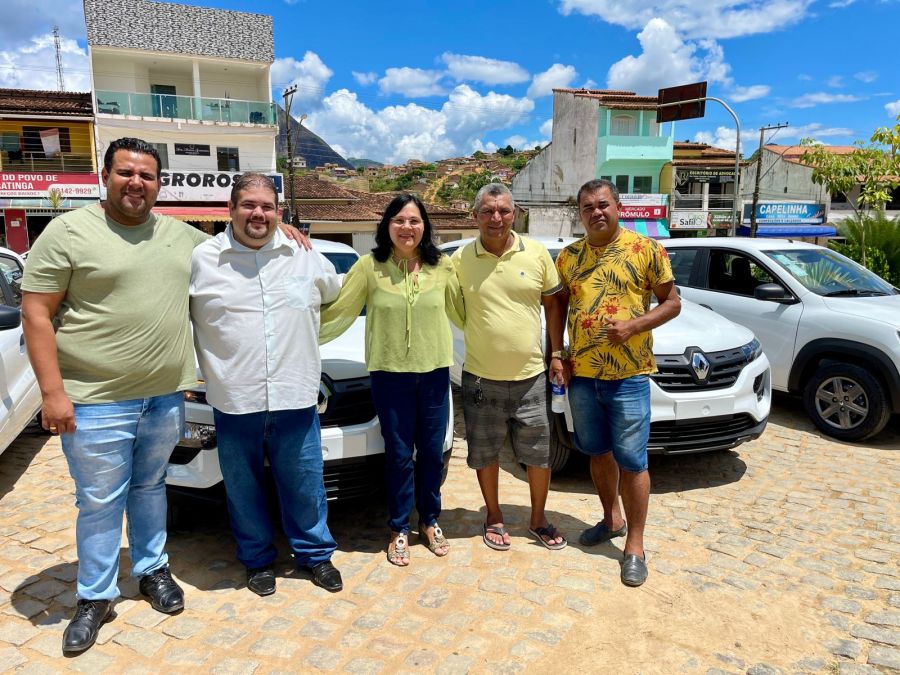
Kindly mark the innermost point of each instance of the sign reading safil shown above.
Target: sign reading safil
(203, 186)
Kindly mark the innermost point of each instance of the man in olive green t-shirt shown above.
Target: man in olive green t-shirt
(105, 315)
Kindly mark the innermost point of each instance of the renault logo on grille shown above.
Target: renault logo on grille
(700, 365)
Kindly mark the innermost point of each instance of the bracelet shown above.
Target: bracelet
(561, 354)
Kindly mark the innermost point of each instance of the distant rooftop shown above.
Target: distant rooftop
(34, 102)
(615, 98)
(179, 29)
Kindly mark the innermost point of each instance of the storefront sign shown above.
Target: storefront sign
(21, 184)
(704, 175)
(191, 149)
(639, 199)
(721, 218)
(637, 206)
(786, 213)
(203, 186)
(689, 220)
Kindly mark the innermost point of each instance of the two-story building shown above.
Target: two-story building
(47, 163)
(193, 81)
(702, 197)
(599, 134)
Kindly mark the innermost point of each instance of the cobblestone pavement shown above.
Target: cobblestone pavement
(781, 556)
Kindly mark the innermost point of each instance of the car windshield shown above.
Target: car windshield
(342, 261)
(828, 273)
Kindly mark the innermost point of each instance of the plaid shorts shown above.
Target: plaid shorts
(495, 408)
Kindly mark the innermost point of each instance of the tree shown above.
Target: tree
(478, 154)
(875, 168)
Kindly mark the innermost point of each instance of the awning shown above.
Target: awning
(657, 229)
(790, 231)
(202, 214)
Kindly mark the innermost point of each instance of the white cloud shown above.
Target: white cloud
(709, 19)
(310, 75)
(835, 81)
(33, 65)
(812, 130)
(481, 69)
(725, 137)
(841, 3)
(411, 82)
(804, 77)
(667, 60)
(893, 108)
(556, 76)
(589, 84)
(821, 97)
(24, 20)
(364, 78)
(396, 133)
(867, 76)
(547, 128)
(521, 143)
(741, 94)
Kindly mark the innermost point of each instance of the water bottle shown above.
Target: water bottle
(558, 396)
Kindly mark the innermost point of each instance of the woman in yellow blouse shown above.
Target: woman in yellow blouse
(409, 289)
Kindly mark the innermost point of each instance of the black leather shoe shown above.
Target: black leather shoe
(325, 575)
(165, 595)
(82, 630)
(634, 570)
(261, 580)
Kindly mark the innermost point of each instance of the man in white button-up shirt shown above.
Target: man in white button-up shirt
(255, 298)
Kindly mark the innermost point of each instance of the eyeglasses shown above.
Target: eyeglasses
(489, 213)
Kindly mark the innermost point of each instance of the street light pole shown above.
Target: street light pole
(288, 98)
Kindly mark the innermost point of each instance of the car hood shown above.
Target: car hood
(697, 326)
(345, 357)
(884, 308)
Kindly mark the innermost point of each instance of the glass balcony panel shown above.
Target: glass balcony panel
(185, 107)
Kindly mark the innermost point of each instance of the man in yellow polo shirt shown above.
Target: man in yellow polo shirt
(607, 280)
(505, 279)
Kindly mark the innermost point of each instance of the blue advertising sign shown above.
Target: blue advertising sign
(786, 213)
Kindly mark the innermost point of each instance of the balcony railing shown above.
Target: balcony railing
(657, 148)
(695, 202)
(185, 107)
(65, 162)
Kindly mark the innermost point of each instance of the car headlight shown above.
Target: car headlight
(751, 350)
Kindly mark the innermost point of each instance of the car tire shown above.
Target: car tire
(446, 468)
(561, 443)
(864, 410)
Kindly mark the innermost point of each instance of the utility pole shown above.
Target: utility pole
(288, 95)
(762, 131)
(60, 83)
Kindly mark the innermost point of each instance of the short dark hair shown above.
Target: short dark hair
(252, 179)
(131, 145)
(428, 252)
(597, 184)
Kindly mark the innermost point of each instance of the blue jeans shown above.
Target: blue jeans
(293, 444)
(117, 457)
(412, 410)
(612, 416)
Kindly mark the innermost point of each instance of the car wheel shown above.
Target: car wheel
(846, 402)
(561, 443)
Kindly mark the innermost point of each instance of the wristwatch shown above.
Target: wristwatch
(559, 354)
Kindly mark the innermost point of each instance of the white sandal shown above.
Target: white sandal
(400, 555)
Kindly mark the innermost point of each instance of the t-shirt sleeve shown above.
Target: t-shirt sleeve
(49, 266)
(561, 269)
(551, 276)
(197, 236)
(660, 267)
(329, 281)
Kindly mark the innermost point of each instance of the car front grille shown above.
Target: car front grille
(672, 437)
(354, 477)
(350, 403)
(677, 374)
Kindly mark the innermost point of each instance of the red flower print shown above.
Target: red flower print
(610, 307)
(587, 322)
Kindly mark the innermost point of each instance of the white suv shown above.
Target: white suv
(712, 391)
(830, 327)
(352, 446)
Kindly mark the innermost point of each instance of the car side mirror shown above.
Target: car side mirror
(773, 293)
(10, 317)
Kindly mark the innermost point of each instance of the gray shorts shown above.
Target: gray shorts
(493, 408)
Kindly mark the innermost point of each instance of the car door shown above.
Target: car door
(722, 279)
(19, 394)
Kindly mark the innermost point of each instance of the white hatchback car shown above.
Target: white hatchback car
(712, 391)
(352, 446)
(20, 397)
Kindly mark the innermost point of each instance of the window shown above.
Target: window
(609, 178)
(682, 260)
(12, 272)
(622, 183)
(735, 273)
(163, 150)
(643, 184)
(623, 125)
(228, 159)
(35, 145)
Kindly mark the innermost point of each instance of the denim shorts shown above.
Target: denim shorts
(612, 416)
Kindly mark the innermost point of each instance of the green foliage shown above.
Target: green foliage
(469, 185)
(403, 182)
(507, 151)
(478, 154)
(876, 235)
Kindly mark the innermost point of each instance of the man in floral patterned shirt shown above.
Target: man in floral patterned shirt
(607, 280)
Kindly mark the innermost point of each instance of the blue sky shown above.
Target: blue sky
(399, 80)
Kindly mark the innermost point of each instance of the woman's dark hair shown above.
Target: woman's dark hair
(428, 252)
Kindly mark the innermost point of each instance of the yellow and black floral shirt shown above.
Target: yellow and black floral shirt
(611, 282)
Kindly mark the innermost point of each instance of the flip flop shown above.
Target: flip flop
(550, 533)
(494, 529)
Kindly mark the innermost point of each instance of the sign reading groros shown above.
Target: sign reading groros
(203, 186)
(71, 185)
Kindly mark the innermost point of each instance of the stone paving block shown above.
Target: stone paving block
(364, 666)
(226, 637)
(421, 658)
(25, 607)
(845, 668)
(884, 657)
(48, 645)
(884, 618)
(873, 555)
(439, 636)
(46, 589)
(276, 647)
(841, 605)
(894, 599)
(839, 621)
(850, 575)
(819, 581)
(434, 598)
(144, 642)
(743, 583)
(323, 658)
(810, 665)
(16, 632)
(764, 669)
(886, 636)
(318, 630)
(888, 583)
(146, 618)
(235, 667)
(91, 661)
(181, 655)
(340, 609)
(775, 551)
(455, 664)
(352, 639)
(183, 627)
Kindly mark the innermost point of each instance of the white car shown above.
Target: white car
(20, 397)
(830, 327)
(352, 446)
(712, 391)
